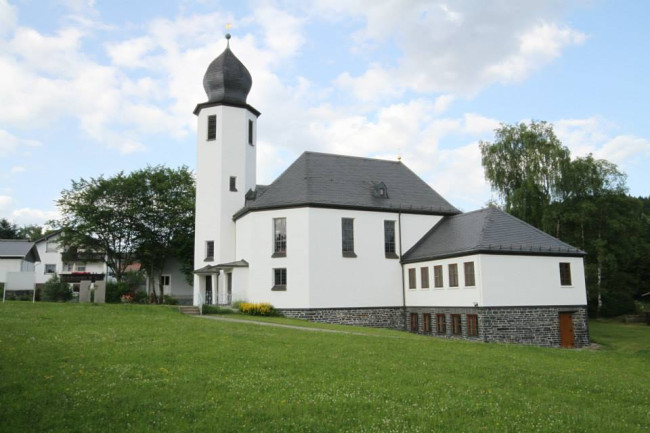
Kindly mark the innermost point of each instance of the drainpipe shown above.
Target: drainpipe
(399, 222)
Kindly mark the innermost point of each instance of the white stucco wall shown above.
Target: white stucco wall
(255, 245)
(446, 296)
(318, 276)
(414, 227)
(531, 280)
(50, 258)
(9, 265)
(217, 160)
(501, 281)
(179, 287)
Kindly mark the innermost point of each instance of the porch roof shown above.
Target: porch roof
(214, 269)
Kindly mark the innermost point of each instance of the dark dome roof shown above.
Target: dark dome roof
(227, 80)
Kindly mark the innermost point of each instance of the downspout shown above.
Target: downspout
(399, 222)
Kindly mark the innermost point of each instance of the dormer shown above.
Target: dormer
(379, 190)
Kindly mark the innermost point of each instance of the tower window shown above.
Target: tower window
(250, 132)
(212, 127)
(233, 183)
(209, 250)
(279, 237)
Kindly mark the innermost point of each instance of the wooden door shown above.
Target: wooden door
(566, 330)
(414, 322)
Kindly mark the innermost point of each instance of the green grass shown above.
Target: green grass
(79, 367)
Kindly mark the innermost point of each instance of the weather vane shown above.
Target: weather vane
(228, 27)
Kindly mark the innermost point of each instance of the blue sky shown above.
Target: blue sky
(97, 87)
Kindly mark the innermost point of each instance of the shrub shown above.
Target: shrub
(115, 291)
(168, 300)
(56, 290)
(140, 297)
(213, 309)
(258, 309)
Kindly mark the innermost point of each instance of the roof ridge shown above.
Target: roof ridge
(311, 152)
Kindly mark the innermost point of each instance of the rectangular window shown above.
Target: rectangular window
(453, 275)
(472, 325)
(279, 237)
(565, 274)
(233, 183)
(50, 246)
(456, 328)
(389, 239)
(81, 268)
(50, 269)
(250, 132)
(412, 282)
(469, 274)
(212, 127)
(279, 279)
(209, 250)
(424, 277)
(426, 322)
(68, 266)
(437, 276)
(347, 236)
(441, 324)
(165, 280)
(414, 322)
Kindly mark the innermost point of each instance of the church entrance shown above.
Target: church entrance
(208, 289)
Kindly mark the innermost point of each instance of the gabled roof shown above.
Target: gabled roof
(326, 180)
(19, 249)
(489, 231)
(48, 236)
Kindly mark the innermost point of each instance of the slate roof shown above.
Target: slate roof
(326, 180)
(227, 82)
(18, 249)
(490, 231)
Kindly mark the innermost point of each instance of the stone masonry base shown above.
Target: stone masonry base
(539, 326)
(382, 317)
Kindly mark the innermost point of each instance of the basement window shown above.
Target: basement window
(441, 324)
(472, 325)
(456, 327)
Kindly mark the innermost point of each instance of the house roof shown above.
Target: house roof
(326, 180)
(19, 249)
(48, 236)
(490, 231)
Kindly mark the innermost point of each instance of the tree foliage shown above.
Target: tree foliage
(8, 230)
(145, 216)
(583, 202)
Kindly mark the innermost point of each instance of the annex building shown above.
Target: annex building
(363, 241)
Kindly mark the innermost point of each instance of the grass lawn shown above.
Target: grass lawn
(79, 367)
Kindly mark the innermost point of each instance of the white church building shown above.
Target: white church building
(364, 241)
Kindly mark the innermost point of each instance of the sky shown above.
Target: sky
(92, 87)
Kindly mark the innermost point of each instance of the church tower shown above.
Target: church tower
(225, 169)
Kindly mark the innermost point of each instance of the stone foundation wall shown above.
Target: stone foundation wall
(538, 326)
(382, 317)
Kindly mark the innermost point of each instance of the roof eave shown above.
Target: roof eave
(407, 260)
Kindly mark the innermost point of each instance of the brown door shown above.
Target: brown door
(566, 330)
(414, 322)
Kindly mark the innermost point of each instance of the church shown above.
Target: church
(361, 241)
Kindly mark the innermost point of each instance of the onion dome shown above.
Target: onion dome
(227, 80)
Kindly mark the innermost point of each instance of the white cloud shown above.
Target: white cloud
(28, 216)
(595, 135)
(458, 47)
(5, 202)
(17, 169)
(8, 17)
(9, 143)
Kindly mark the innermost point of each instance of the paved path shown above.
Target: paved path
(301, 328)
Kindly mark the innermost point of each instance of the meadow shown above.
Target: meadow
(96, 368)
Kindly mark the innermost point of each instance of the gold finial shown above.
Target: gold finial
(399, 158)
(228, 26)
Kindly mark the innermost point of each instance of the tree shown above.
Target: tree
(583, 202)
(143, 216)
(8, 230)
(166, 220)
(524, 166)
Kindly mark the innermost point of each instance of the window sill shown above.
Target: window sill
(392, 256)
(209, 259)
(276, 255)
(279, 288)
(349, 254)
(470, 287)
